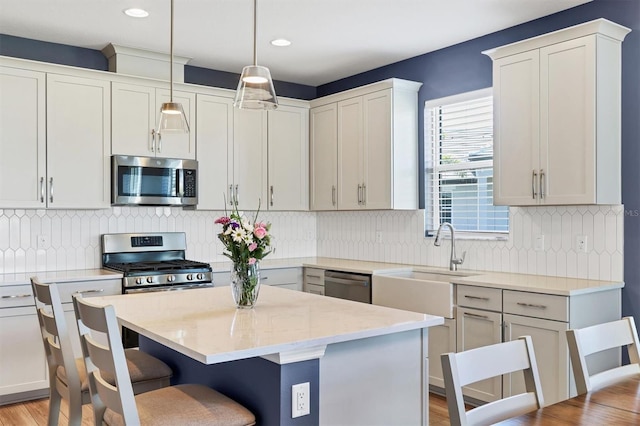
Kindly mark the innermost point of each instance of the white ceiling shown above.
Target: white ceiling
(331, 39)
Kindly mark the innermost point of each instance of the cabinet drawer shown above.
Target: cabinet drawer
(280, 276)
(479, 297)
(14, 296)
(314, 289)
(314, 276)
(221, 279)
(89, 288)
(536, 305)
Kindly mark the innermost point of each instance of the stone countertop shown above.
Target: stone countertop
(22, 278)
(205, 325)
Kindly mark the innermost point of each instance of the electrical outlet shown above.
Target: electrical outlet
(581, 243)
(539, 243)
(43, 242)
(300, 401)
(379, 237)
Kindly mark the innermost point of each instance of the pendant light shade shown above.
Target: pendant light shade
(172, 117)
(255, 88)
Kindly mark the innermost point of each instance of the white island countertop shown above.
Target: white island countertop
(205, 325)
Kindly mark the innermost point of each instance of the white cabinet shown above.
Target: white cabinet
(55, 143)
(323, 167)
(78, 143)
(442, 339)
(214, 134)
(23, 366)
(289, 278)
(374, 132)
(313, 281)
(557, 109)
(136, 109)
(288, 158)
(249, 158)
(22, 138)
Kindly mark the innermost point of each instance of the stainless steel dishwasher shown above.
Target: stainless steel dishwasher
(346, 285)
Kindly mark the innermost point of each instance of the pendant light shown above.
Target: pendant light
(255, 88)
(172, 116)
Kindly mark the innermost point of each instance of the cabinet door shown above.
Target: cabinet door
(516, 123)
(23, 366)
(250, 158)
(133, 119)
(177, 145)
(288, 145)
(476, 328)
(377, 153)
(550, 346)
(442, 339)
(350, 152)
(22, 138)
(214, 129)
(567, 121)
(324, 158)
(78, 142)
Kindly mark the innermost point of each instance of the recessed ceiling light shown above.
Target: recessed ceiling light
(136, 13)
(280, 42)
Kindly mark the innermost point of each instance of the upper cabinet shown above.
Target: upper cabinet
(364, 148)
(136, 109)
(249, 157)
(51, 137)
(557, 117)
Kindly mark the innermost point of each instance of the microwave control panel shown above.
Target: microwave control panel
(190, 183)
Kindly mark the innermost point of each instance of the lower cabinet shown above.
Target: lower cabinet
(442, 339)
(313, 281)
(290, 278)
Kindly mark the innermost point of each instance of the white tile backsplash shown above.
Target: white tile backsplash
(340, 234)
(74, 238)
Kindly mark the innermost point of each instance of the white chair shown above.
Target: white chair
(590, 340)
(67, 375)
(115, 403)
(462, 368)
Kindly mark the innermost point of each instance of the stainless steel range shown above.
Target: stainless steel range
(153, 262)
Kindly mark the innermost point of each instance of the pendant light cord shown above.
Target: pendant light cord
(171, 54)
(255, 32)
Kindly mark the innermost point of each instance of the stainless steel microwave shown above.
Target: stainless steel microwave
(149, 181)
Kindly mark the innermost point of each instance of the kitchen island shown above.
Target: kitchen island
(365, 364)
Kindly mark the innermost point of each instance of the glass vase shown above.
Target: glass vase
(245, 284)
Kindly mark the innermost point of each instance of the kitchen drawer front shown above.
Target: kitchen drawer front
(314, 276)
(486, 298)
(15, 296)
(89, 288)
(536, 305)
(314, 289)
(281, 276)
(221, 279)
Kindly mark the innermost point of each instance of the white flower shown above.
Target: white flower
(238, 235)
(247, 225)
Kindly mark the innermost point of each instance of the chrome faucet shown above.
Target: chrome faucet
(454, 261)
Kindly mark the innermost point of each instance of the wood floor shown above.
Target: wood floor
(34, 413)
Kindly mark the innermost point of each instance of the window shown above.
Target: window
(459, 164)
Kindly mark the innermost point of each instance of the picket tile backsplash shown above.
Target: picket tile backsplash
(38, 240)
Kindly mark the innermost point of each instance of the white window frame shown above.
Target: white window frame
(432, 210)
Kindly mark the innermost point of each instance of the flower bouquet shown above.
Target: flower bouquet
(246, 243)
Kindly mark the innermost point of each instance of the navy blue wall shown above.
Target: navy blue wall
(24, 48)
(463, 68)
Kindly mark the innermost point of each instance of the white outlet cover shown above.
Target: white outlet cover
(300, 400)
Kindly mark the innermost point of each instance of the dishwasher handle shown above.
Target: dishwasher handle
(362, 283)
(347, 278)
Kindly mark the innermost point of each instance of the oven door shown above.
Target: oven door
(153, 181)
(173, 287)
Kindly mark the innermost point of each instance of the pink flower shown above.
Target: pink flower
(253, 246)
(252, 260)
(222, 220)
(259, 232)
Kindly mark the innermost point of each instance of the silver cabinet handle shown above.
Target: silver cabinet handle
(100, 290)
(531, 305)
(534, 194)
(152, 144)
(51, 190)
(476, 315)
(230, 195)
(237, 196)
(16, 296)
(364, 194)
(42, 189)
(359, 194)
(476, 297)
(159, 142)
(314, 276)
(542, 179)
(271, 191)
(333, 195)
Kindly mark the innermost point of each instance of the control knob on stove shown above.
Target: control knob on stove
(149, 280)
(171, 278)
(190, 277)
(200, 276)
(138, 280)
